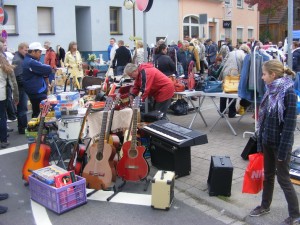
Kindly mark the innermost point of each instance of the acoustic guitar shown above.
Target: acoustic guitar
(76, 160)
(38, 153)
(97, 171)
(133, 166)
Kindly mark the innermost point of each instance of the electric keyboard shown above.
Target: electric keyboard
(175, 134)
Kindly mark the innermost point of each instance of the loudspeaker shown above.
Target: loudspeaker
(220, 176)
(165, 156)
(250, 148)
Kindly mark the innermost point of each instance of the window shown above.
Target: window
(45, 20)
(11, 24)
(239, 3)
(227, 2)
(227, 33)
(250, 33)
(115, 20)
(191, 26)
(239, 34)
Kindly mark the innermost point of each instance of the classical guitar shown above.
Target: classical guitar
(133, 166)
(97, 171)
(113, 140)
(38, 153)
(76, 160)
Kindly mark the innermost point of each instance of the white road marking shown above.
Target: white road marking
(13, 149)
(40, 214)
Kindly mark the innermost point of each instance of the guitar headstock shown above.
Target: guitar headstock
(136, 102)
(108, 104)
(46, 108)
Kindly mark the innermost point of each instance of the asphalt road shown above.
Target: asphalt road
(23, 211)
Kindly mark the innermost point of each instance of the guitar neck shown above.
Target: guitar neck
(39, 137)
(112, 111)
(134, 128)
(102, 131)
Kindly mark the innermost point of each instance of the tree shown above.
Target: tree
(268, 7)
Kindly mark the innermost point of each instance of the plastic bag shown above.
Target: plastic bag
(180, 107)
(254, 174)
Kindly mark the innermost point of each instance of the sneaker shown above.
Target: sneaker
(3, 196)
(4, 144)
(10, 129)
(290, 221)
(10, 121)
(259, 211)
(3, 209)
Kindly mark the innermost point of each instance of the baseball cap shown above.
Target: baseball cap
(36, 46)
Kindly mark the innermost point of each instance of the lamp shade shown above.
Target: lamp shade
(128, 4)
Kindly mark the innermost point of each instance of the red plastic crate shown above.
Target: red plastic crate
(61, 199)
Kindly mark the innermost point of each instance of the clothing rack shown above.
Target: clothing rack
(255, 101)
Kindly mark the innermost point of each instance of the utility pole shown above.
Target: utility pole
(290, 32)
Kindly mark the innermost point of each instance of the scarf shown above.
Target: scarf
(273, 100)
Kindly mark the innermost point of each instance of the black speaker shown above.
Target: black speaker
(220, 176)
(250, 148)
(165, 156)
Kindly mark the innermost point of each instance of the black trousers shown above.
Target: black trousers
(163, 107)
(35, 103)
(223, 104)
(281, 169)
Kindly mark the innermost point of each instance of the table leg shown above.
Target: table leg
(223, 116)
(197, 110)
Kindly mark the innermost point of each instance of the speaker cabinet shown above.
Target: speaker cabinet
(220, 176)
(167, 157)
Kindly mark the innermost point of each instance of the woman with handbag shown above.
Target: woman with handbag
(233, 63)
(276, 125)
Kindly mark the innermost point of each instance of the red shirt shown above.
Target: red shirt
(50, 58)
(153, 83)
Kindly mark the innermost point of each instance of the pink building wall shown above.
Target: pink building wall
(215, 9)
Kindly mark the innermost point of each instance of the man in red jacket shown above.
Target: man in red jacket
(151, 83)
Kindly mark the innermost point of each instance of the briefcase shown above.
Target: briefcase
(220, 176)
(163, 189)
(250, 148)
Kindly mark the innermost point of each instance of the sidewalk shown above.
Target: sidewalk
(221, 142)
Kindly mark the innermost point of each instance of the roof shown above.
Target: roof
(276, 19)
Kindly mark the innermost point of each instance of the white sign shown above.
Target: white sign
(228, 12)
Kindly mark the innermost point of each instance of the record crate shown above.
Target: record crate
(61, 199)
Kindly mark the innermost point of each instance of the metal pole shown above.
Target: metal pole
(290, 32)
(133, 16)
(145, 37)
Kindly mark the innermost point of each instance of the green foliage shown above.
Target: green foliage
(265, 36)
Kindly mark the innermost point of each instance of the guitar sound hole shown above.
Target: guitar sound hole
(132, 153)
(99, 156)
(36, 157)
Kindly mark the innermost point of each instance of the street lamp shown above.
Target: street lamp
(130, 4)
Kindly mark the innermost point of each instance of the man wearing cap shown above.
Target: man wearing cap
(34, 75)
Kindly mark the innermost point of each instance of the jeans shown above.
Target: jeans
(22, 109)
(11, 108)
(35, 103)
(120, 70)
(163, 107)
(232, 109)
(272, 167)
(3, 118)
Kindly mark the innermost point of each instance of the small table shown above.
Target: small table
(221, 114)
(189, 94)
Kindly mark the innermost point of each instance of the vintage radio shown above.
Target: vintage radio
(162, 189)
(220, 176)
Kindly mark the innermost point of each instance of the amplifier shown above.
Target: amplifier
(165, 156)
(220, 176)
(162, 189)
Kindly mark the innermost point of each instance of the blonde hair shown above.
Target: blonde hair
(140, 44)
(276, 67)
(245, 48)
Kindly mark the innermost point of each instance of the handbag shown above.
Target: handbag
(179, 86)
(199, 80)
(250, 148)
(231, 83)
(254, 174)
(152, 116)
(180, 107)
(211, 84)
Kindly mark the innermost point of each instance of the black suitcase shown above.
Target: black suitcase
(250, 148)
(220, 176)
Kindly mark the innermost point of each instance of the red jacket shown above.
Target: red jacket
(153, 83)
(50, 58)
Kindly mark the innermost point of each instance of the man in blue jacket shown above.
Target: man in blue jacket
(34, 75)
